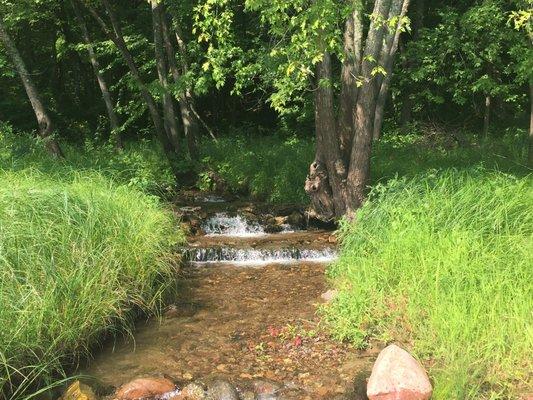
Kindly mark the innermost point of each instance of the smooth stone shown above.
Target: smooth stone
(144, 388)
(396, 375)
(221, 390)
(329, 295)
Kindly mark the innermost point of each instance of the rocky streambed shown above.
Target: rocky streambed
(245, 325)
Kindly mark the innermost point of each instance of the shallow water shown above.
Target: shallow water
(242, 323)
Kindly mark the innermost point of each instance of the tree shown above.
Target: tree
(106, 94)
(114, 33)
(308, 44)
(521, 20)
(171, 124)
(43, 119)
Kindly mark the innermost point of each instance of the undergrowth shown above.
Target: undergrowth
(442, 264)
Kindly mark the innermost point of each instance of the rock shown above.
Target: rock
(396, 375)
(263, 387)
(221, 390)
(329, 295)
(296, 219)
(78, 391)
(144, 388)
(273, 228)
(172, 311)
(193, 391)
(248, 395)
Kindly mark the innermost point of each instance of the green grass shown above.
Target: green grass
(442, 263)
(141, 165)
(79, 257)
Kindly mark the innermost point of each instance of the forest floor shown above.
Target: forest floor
(245, 322)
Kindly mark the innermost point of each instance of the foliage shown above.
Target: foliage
(469, 53)
(442, 263)
(268, 168)
(78, 256)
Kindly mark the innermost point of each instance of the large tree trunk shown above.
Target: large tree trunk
(106, 94)
(43, 119)
(327, 172)
(353, 36)
(185, 100)
(359, 168)
(116, 36)
(338, 177)
(169, 113)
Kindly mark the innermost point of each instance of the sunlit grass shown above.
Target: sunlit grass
(444, 264)
(79, 257)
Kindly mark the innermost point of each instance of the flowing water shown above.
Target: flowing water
(247, 310)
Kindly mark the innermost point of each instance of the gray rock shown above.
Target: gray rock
(221, 390)
(193, 391)
(248, 395)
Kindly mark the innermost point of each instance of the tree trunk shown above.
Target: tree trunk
(486, 116)
(169, 113)
(387, 58)
(359, 168)
(190, 123)
(106, 94)
(353, 36)
(530, 151)
(43, 119)
(327, 172)
(115, 35)
(337, 183)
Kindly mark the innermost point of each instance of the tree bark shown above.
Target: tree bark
(353, 36)
(171, 125)
(43, 119)
(387, 59)
(486, 116)
(359, 168)
(189, 120)
(327, 172)
(530, 150)
(116, 36)
(106, 94)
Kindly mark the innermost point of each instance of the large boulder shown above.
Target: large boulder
(396, 375)
(145, 388)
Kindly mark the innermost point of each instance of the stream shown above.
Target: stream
(247, 311)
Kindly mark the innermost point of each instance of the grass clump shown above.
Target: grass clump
(442, 263)
(77, 257)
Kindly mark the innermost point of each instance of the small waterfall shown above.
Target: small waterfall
(257, 256)
(223, 224)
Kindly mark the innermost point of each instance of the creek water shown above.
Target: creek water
(247, 310)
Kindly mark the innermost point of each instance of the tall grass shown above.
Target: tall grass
(77, 257)
(443, 263)
(141, 165)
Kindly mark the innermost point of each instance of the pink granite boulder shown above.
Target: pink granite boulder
(396, 375)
